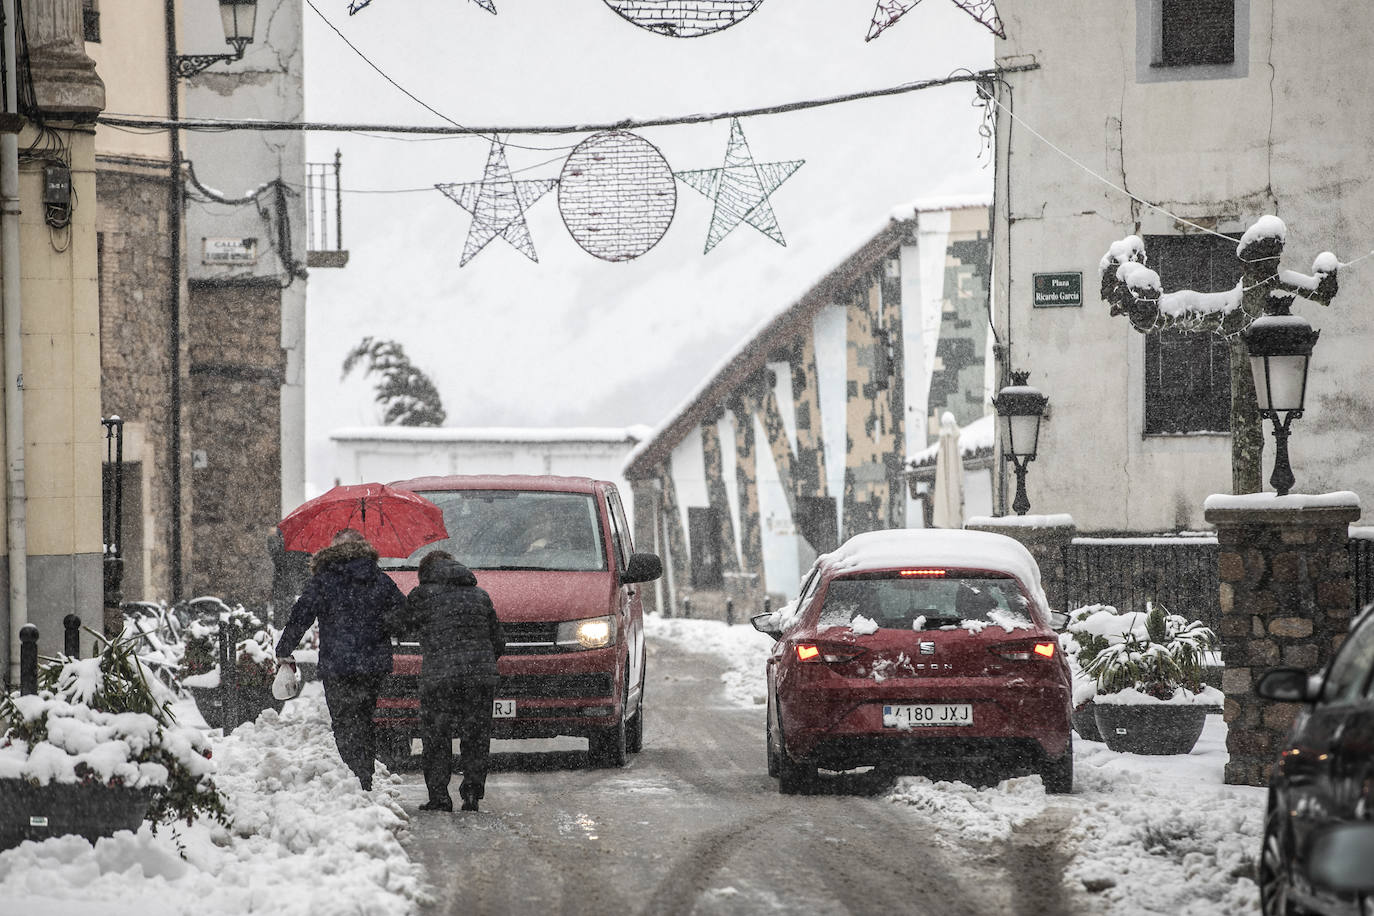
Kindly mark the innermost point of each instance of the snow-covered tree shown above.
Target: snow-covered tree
(1265, 288)
(406, 393)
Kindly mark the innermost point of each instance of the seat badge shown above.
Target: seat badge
(927, 648)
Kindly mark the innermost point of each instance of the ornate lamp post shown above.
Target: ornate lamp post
(1280, 347)
(1019, 409)
(239, 18)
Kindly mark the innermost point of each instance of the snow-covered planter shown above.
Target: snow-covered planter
(97, 750)
(255, 666)
(1150, 697)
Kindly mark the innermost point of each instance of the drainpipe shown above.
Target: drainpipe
(16, 505)
(174, 318)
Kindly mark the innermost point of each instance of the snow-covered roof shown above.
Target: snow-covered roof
(958, 548)
(626, 434)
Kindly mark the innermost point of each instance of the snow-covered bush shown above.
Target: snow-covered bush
(1082, 640)
(1147, 655)
(254, 647)
(107, 720)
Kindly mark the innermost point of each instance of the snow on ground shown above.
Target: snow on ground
(305, 839)
(1146, 834)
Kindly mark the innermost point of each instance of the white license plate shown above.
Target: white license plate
(503, 709)
(927, 715)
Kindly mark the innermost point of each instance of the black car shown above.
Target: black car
(1324, 775)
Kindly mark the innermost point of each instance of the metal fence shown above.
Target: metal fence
(1179, 573)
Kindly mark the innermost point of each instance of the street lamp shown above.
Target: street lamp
(1280, 346)
(1020, 407)
(239, 17)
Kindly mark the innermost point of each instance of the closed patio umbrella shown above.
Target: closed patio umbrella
(949, 476)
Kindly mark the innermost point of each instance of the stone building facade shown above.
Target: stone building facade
(802, 439)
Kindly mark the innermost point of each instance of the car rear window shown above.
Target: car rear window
(517, 529)
(899, 603)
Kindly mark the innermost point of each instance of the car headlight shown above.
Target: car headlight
(592, 633)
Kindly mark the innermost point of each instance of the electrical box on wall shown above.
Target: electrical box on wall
(57, 195)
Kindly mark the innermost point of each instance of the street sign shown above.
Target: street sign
(230, 251)
(1057, 290)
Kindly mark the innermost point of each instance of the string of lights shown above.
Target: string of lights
(491, 132)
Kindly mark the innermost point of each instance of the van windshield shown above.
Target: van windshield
(517, 529)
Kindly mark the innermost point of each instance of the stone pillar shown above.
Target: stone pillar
(1286, 600)
(1045, 536)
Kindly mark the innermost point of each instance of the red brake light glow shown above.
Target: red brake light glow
(807, 653)
(922, 573)
(1045, 648)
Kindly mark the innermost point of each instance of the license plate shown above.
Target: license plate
(503, 709)
(927, 715)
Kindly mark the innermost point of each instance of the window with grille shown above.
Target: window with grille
(1197, 32)
(1188, 375)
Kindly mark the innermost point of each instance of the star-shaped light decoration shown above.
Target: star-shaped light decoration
(888, 12)
(356, 5)
(498, 203)
(741, 189)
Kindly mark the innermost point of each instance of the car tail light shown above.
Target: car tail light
(922, 573)
(815, 652)
(1026, 651)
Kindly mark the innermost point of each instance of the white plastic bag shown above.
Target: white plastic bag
(287, 683)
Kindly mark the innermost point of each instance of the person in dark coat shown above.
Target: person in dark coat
(351, 598)
(460, 641)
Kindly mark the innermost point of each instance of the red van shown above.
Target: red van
(556, 556)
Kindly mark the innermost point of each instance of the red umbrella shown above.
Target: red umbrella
(395, 522)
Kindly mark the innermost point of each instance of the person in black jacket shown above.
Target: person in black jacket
(352, 598)
(460, 640)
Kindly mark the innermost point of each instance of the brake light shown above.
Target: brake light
(811, 652)
(1045, 648)
(922, 573)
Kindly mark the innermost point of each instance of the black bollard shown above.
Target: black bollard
(28, 659)
(228, 678)
(686, 607)
(71, 636)
(730, 611)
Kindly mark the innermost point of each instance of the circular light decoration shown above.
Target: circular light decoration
(617, 195)
(684, 18)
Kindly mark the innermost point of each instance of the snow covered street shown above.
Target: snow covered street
(693, 824)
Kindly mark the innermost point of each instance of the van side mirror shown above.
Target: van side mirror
(643, 567)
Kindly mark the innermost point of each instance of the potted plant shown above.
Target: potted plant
(1081, 642)
(254, 666)
(97, 750)
(1150, 696)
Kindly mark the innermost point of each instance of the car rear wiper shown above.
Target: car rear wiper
(934, 622)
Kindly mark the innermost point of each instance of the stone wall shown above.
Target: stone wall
(134, 245)
(1286, 600)
(236, 370)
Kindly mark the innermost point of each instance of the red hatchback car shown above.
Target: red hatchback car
(916, 650)
(556, 556)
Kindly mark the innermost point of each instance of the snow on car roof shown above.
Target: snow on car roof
(899, 547)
